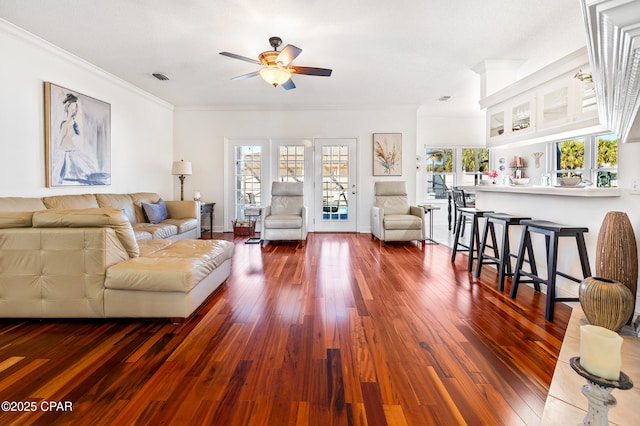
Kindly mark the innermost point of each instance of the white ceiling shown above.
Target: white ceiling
(383, 53)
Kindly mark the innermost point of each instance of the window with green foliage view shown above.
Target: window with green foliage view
(594, 158)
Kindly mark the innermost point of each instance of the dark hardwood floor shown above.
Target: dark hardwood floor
(341, 331)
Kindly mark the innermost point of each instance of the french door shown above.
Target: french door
(326, 167)
(335, 206)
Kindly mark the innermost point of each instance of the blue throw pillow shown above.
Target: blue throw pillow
(155, 213)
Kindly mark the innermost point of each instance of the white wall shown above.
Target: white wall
(199, 137)
(141, 125)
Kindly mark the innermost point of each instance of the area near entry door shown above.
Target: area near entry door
(335, 185)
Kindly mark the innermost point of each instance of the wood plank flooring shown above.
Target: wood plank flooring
(339, 332)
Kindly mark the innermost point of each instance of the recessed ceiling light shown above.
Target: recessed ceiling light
(444, 98)
(160, 76)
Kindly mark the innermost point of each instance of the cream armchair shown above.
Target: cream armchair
(392, 218)
(286, 217)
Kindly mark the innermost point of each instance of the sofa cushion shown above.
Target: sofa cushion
(21, 204)
(150, 246)
(15, 219)
(90, 218)
(157, 230)
(140, 197)
(184, 225)
(179, 267)
(402, 221)
(141, 235)
(155, 212)
(80, 201)
(122, 202)
(283, 221)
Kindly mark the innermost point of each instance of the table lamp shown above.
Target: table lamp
(181, 169)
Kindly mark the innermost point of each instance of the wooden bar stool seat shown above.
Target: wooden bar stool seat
(501, 259)
(552, 232)
(473, 248)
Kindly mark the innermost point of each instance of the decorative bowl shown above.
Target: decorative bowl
(520, 181)
(570, 181)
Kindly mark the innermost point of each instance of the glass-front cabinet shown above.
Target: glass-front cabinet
(521, 117)
(569, 100)
(496, 124)
(510, 118)
(545, 106)
(554, 105)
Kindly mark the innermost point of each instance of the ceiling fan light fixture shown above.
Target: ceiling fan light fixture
(275, 75)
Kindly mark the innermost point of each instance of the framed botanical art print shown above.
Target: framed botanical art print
(387, 154)
(77, 138)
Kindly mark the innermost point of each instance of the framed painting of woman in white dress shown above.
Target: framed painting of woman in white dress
(77, 138)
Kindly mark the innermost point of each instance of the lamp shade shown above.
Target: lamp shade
(275, 75)
(181, 168)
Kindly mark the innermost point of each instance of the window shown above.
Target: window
(569, 158)
(291, 164)
(439, 169)
(606, 173)
(247, 177)
(449, 167)
(593, 157)
(475, 161)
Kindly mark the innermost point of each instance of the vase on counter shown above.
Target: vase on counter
(617, 253)
(606, 303)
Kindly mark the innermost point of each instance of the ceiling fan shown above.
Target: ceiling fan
(276, 65)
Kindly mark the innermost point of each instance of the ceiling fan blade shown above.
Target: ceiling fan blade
(288, 54)
(322, 72)
(288, 85)
(242, 58)
(243, 76)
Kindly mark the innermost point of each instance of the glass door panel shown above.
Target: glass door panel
(496, 124)
(335, 209)
(291, 163)
(521, 117)
(555, 105)
(248, 181)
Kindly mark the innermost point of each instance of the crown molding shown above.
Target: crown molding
(27, 37)
(248, 108)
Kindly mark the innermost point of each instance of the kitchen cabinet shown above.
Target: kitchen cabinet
(567, 101)
(510, 118)
(552, 101)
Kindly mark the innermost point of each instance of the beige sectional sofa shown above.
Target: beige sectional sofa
(183, 221)
(67, 261)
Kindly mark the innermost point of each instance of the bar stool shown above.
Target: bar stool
(502, 259)
(473, 214)
(552, 232)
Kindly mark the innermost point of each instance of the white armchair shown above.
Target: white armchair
(286, 217)
(392, 218)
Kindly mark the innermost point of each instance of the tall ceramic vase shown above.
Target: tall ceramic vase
(617, 253)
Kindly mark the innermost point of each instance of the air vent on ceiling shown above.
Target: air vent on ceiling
(160, 76)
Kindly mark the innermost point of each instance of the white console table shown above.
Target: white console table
(566, 405)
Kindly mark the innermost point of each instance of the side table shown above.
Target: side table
(429, 209)
(207, 208)
(253, 213)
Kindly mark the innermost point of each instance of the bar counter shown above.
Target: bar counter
(565, 191)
